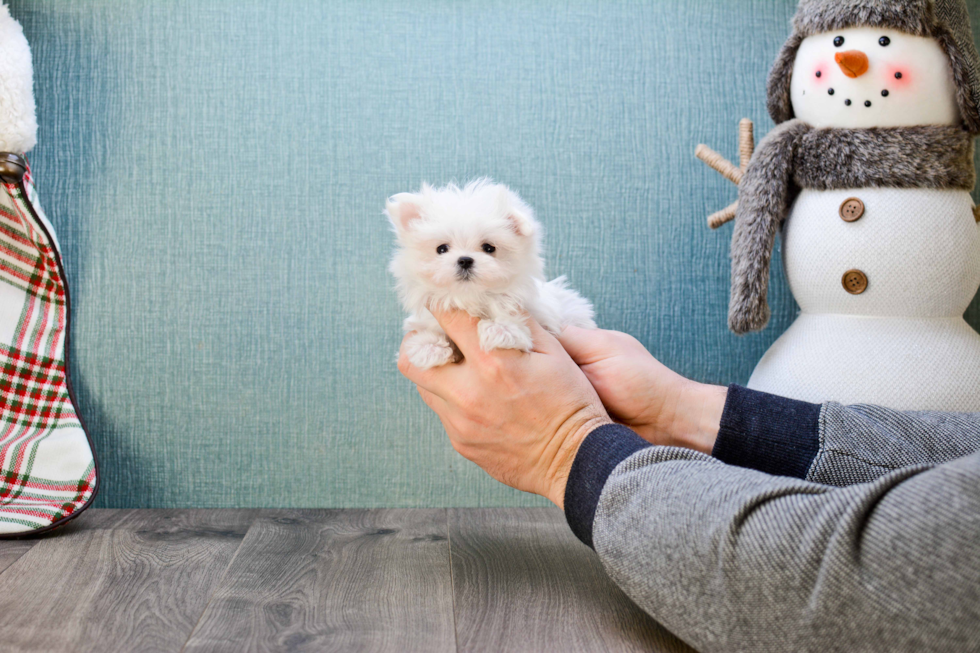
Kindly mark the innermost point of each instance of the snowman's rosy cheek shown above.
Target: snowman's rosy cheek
(820, 74)
(897, 76)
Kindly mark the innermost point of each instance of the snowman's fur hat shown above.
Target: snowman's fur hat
(18, 123)
(945, 20)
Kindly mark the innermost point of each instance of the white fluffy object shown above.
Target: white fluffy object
(18, 122)
(475, 249)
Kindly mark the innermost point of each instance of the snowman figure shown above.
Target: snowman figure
(868, 175)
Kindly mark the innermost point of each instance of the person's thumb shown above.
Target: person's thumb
(583, 345)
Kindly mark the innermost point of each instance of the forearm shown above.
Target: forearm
(835, 444)
(733, 559)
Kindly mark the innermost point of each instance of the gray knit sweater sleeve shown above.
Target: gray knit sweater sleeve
(882, 554)
(835, 444)
(861, 443)
(732, 559)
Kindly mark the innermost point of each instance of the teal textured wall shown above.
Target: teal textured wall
(216, 171)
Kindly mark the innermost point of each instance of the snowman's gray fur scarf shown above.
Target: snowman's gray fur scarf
(795, 155)
(945, 20)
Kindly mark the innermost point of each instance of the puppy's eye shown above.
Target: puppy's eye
(839, 41)
(884, 41)
(442, 249)
(488, 248)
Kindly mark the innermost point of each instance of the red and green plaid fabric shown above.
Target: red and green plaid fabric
(47, 468)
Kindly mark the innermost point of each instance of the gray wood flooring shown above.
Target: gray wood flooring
(315, 580)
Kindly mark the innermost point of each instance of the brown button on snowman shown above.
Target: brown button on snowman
(867, 176)
(851, 210)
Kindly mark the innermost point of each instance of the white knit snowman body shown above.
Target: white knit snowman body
(882, 275)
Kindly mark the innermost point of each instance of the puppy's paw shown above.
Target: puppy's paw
(427, 350)
(504, 335)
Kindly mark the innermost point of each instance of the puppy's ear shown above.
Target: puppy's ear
(403, 209)
(519, 214)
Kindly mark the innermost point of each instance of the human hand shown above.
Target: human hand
(521, 416)
(640, 392)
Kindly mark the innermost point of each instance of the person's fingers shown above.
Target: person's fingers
(579, 343)
(461, 327)
(442, 410)
(437, 380)
(544, 342)
(435, 402)
(584, 345)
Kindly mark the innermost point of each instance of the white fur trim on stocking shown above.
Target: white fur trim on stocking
(18, 123)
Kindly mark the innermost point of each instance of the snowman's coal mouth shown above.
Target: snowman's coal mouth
(848, 102)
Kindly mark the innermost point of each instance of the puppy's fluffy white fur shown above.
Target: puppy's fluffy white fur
(475, 249)
(18, 124)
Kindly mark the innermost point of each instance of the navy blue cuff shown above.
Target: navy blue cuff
(771, 434)
(597, 457)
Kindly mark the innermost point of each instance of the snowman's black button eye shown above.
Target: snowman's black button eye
(488, 248)
(839, 41)
(898, 75)
(884, 41)
(819, 74)
(442, 249)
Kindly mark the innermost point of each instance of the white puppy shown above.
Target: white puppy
(475, 249)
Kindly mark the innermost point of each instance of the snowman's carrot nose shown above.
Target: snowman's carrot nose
(853, 63)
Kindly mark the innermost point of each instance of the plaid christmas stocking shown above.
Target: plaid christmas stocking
(47, 464)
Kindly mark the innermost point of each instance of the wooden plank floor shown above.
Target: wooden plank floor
(315, 580)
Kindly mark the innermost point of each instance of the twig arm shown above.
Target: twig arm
(719, 163)
(746, 142)
(722, 217)
(746, 148)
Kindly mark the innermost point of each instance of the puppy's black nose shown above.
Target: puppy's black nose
(465, 262)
